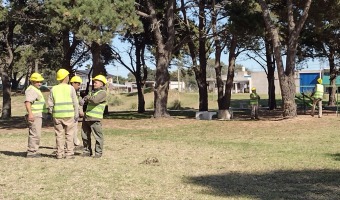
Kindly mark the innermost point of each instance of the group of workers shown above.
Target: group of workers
(316, 97)
(65, 106)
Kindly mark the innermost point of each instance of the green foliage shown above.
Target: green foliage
(98, 20)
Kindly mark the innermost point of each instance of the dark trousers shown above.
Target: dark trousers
(94, 127)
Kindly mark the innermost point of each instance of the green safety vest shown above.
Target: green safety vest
(319, 91)
(63, 104)
(254, 99)
(39, 105)
(96, 110)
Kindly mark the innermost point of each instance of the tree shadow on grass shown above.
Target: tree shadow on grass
(13, 123)
(19, 122)
(23, 154)
(335, 156)
(305, 184)
(133, 115)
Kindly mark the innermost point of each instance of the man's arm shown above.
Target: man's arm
(30, 97)
(30, 116)
(100, 97)
(50, 102)
(75, 102)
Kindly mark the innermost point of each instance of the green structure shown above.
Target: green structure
(326, 83)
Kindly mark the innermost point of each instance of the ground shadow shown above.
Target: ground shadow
(335, 156)
(19, 122)
(305, 184)
(23, 154)
(13, 123)
(12, 153)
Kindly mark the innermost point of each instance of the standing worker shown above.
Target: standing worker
(63, 104)
(254, 103)
(317, 96)
(96, 103)
(76, 82)
(35, 107)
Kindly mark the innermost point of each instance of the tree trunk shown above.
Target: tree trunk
(332, 77)
(201, 76)
(286, 75)
(161, 88)
(231, 71)
(139, 52)
(66, 62)
(141, 101)
(164, 48)
(97, 60)
(288, 96)
(221, 99)
(271, 72)
(6, 112)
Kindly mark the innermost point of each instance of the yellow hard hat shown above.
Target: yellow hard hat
(319, 80)
(100, 78)
(75, 79)
(253, 89)
(36, 77)
(61, 74)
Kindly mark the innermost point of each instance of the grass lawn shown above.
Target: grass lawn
(181, 158)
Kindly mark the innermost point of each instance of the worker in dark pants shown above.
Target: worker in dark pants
(96, 103)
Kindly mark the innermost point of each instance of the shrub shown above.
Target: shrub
(175, 105)
(115, 101)
(133, 106)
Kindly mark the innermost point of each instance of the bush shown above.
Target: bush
(175, 105)
(115, 101)
(133, 106)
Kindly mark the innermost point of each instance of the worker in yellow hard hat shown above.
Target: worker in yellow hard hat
(96, 103)
(36, 108)
(76, 83)
(63, 104)
(317, 97)
(254, 103)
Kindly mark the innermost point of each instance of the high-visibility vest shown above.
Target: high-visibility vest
(63, 104)
(96, 110)
(254, 99)
(318, 92)
(38, 106)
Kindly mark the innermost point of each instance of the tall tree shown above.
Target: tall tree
(321, 38)
(97, 22)
(164, 44)
(197, 44)
(295, 22)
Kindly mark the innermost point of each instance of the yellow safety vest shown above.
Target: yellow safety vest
(63, 104)
(319, 91)
(96, 110)
(254, 99)
(38, 106)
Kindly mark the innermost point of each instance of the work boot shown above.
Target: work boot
(59, 156)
